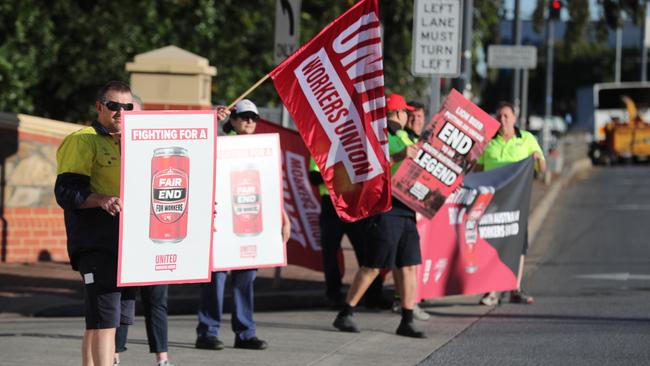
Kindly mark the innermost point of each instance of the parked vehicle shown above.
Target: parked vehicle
(615, 115)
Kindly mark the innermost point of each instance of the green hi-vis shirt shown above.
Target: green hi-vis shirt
(405, 137)
(87, 153)
(500, 152)
(398, 140)
(313, 167)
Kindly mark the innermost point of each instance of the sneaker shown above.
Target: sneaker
(209, 342)
(164, 363)
(116, 362)
(490, 299)
(420, 314)
(344, 323)
(521, 297)
(251, 343)
(397, 306)
(407, 329)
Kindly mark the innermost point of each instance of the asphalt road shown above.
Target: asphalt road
(589, 270)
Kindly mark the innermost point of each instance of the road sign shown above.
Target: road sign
(437, 37)
(287, 28)
(512, 57)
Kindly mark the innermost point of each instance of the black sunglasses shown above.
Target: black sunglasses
(115, 106)
(248, 116)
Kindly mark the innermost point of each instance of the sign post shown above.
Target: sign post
(287, 36)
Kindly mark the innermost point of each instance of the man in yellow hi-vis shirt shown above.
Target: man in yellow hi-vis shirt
(88, 188)
(511, 145)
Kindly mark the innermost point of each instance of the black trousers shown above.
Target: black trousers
(332, 229)
(154, 303)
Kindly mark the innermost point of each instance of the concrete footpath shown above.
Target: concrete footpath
(40, 306)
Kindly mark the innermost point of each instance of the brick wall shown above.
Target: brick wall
(31, 223)
(34, 234)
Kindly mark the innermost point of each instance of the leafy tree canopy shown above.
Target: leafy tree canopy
(54, 55)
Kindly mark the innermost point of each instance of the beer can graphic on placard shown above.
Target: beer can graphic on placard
(246, 200)
(170, 168)
(477, 209)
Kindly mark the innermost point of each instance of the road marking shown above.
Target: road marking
(631, 182)
(615, 276)
(632, 207)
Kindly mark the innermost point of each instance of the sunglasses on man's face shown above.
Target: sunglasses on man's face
(115, 106)
(248, 116)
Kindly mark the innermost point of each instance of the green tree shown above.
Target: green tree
(54, 55)
(23, 25)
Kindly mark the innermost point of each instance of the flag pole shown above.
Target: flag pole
(258, 83)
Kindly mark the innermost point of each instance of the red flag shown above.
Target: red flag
(334, 88)
(301, 199)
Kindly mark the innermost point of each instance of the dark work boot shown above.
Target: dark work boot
(209, 342)
(407, 326)
(344, 322)
(251, 343)
(407, 329)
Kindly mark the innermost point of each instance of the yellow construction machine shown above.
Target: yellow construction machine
(627, 140)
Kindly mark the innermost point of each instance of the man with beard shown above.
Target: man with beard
(88, 189)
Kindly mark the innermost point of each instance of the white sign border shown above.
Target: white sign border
(269, 264)
(214, 127)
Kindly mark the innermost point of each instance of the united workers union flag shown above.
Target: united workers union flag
(334, 89)
(472, 245)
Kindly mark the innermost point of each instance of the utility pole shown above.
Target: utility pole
(548, 102)
(468, 23)
(619, 51)
(644, 45)
(550, 45)
(516, 73)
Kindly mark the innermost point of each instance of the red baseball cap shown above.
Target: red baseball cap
(396, 102)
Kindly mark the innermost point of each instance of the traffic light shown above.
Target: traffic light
(555, 9)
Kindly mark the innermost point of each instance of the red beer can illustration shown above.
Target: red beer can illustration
(170, 167)
(483, 198)
(246, 200)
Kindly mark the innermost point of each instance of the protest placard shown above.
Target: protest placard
(167, 197)
(453, 140)
(249, 199)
